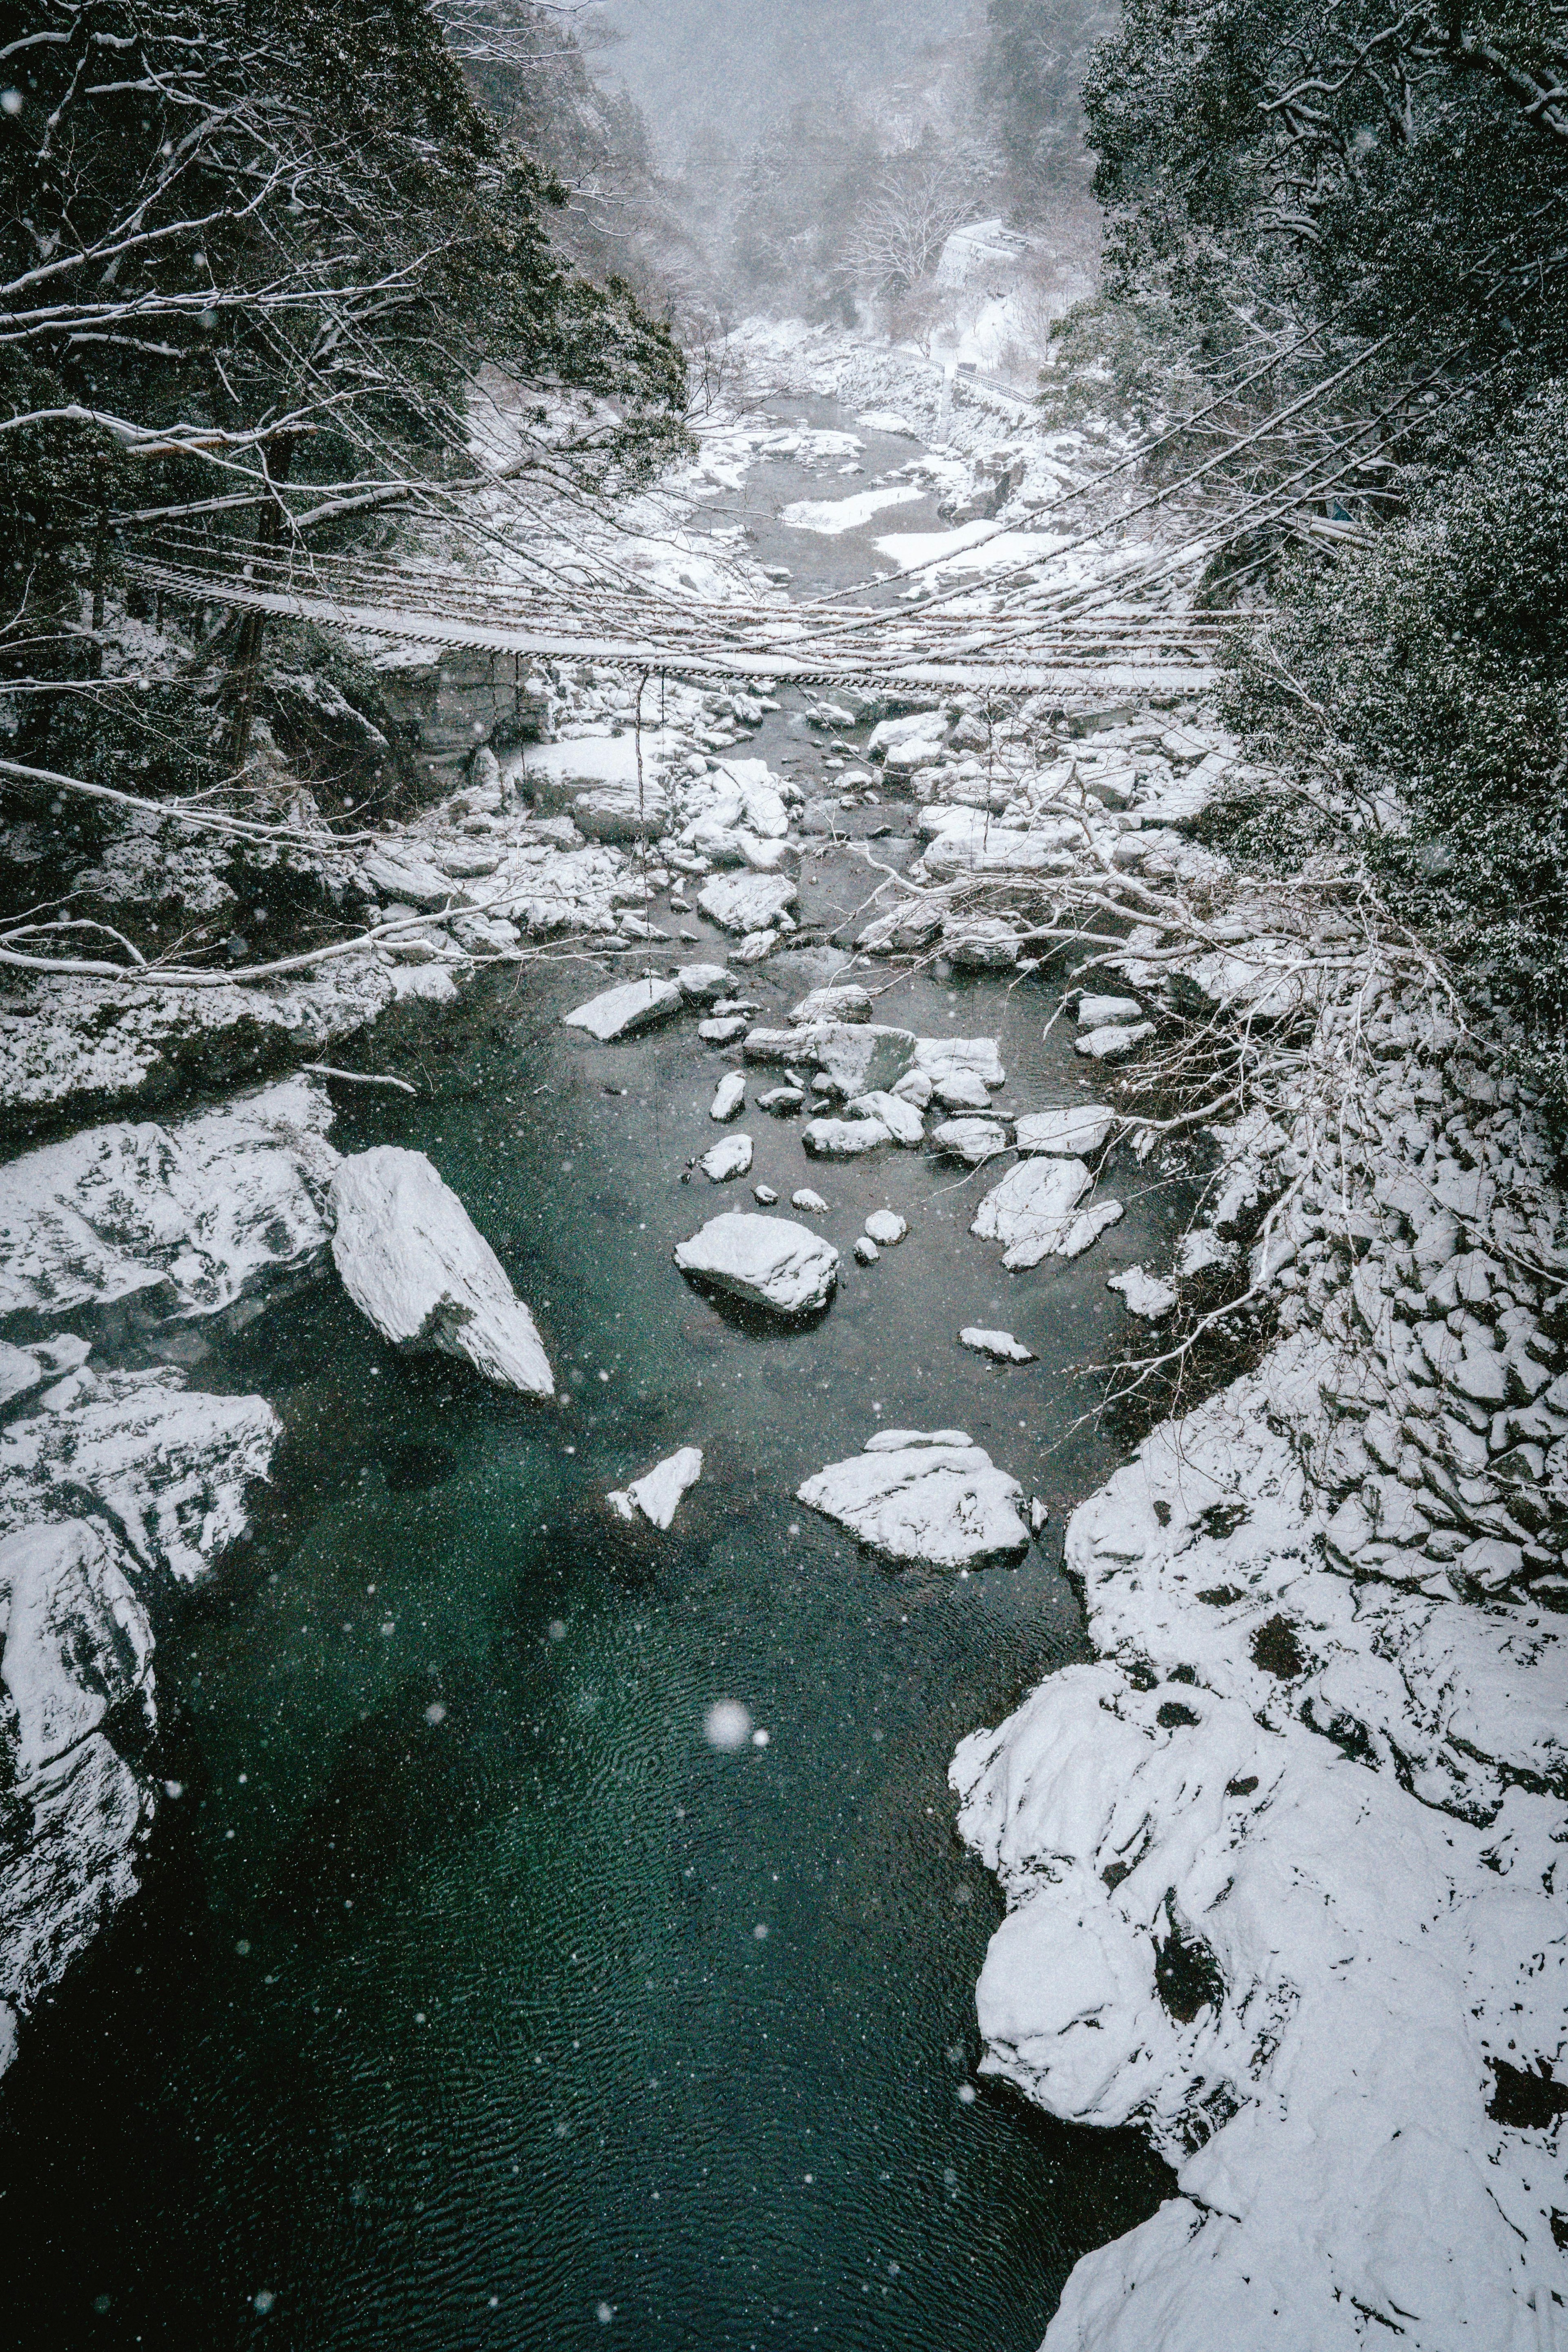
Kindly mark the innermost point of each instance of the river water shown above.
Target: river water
(473, 1998)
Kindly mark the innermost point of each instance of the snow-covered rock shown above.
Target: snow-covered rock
(1144, 1293)
(657, 1492)
(945, 1059)
(746, 903)
(887, 1228)
(930, 1497)
(843, 1138)
(845, 1002)
(168, 1466)
(622, 1011)
(1074, 1132)
(866, 1251)
(181, 1220)
(728, 1097)
(811, 1203)
(413, 1263)
(902, 1119)
(702, 983)
(974, 1140)
(980, 944)
(1114, 1043)
(1031, 1212)
(769, 1261)
(721, 1163)
(1105, 1012)
(1281, 1871)
(999, 1345)
(1202, 1249)
(411, 880)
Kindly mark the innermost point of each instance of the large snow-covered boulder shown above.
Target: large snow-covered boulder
(769, 1261)
(179, 1220)
(1073, 1132)
(1031, 1210)
(622, 1011)
(413, 1262)
(746, 902)
(924, 1495)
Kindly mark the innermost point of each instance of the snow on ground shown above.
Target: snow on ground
(830, 518)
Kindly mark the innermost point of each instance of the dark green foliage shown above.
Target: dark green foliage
(1036, 58)
(1433, 664)
(214, 218)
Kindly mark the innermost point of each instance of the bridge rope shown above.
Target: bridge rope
(1011, 651)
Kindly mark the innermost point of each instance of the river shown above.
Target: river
(474, 1999)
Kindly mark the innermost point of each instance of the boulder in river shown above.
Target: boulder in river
(1069, 1133)
(887, 1228)
(843, 1003)
(1032, 1209)
(702, 983)
(974, 1140)
(413, 1262)
(1144, 1293)
(657, 1492)
(843, 1138)
(924, 1495)
(768, 1261)
(1113, 1043)
(902, 1119)
(622, 1011)
(728, 1097)
(723, 1161)
(746, 903)
(999, 1346)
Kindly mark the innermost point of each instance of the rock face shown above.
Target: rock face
(622, 1011)
(166, 1465)
(1319, 1979)
(181, 1220)
(769, 1261)
(657, 1492)
(746, 902)
(926, 1496)
(1031, 1210)
(412, 1262)
(111, 1486)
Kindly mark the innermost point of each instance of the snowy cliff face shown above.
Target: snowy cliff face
(1286, 1868)
(116, 1487)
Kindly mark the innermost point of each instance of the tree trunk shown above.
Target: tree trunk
(240, 689)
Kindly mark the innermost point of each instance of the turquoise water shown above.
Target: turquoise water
(473, 1999)
(449, 2016)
